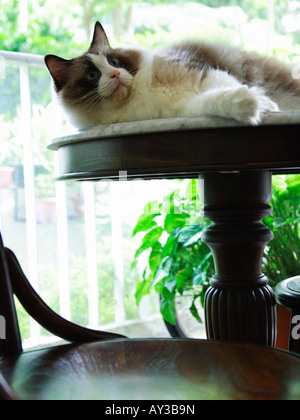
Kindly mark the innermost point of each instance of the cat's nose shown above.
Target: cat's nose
(115, 74)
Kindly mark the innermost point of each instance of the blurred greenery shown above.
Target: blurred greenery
(282, 255)
(52, 26)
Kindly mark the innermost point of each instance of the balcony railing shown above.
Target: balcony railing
(31, 254)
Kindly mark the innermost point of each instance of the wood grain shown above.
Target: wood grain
(155, 370)
(183, 154)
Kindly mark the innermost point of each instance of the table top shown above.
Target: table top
(180, 148)
(155, 369)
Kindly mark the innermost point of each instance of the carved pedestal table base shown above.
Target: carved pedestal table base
(239, 305)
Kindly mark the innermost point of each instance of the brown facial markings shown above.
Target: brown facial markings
(82, 89)
(129, 60)
(79, 85)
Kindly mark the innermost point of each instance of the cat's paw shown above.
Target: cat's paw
(265, 104)
(249, 104)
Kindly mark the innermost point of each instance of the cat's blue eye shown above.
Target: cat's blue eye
(114, 62)
(92, 75)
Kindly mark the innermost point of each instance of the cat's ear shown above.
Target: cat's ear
(100, 39)
(59, 69)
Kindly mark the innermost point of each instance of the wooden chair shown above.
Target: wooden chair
(105, 366)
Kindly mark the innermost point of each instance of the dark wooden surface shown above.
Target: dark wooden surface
(154, 370)
(239, 305)
(183, 154)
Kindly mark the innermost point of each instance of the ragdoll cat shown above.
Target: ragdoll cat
(191, 79)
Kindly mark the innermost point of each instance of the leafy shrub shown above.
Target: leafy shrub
(177, 259)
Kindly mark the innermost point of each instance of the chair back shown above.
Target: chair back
(10, 338)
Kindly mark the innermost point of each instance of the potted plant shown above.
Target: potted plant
(179, 264)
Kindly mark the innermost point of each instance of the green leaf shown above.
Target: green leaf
(150, 240)
(152, 237)
(155, 256)
(145, 223)
(170, 247)
(167, 308)
(194, 239)
(171, 284)
(190, 234)
(173, 221)
(143, 289)
(163, 270)
(194, 311)
(184, 277)
(139, 251)
(159, 287)
(199, 276)
(201, 273)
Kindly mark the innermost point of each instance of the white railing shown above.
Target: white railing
(23, 62)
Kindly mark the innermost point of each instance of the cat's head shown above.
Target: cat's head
(95, 85)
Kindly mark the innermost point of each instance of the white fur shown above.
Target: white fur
(107, 84)
(217, 94)
(224, 96)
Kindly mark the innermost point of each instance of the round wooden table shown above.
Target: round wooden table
(235, 164)
(162, 369)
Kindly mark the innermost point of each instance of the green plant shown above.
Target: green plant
(281, 259)
(177, 260)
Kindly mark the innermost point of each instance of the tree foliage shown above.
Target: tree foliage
(55, 26)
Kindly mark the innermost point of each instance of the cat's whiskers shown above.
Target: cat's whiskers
(93, 101)
(106, 89)
(87, 95)
(90, 103)
(88, 100)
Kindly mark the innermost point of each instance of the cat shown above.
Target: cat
(190, 79)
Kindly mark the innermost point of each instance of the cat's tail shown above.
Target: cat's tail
(281, 82)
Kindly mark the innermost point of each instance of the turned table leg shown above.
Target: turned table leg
(239, 305)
